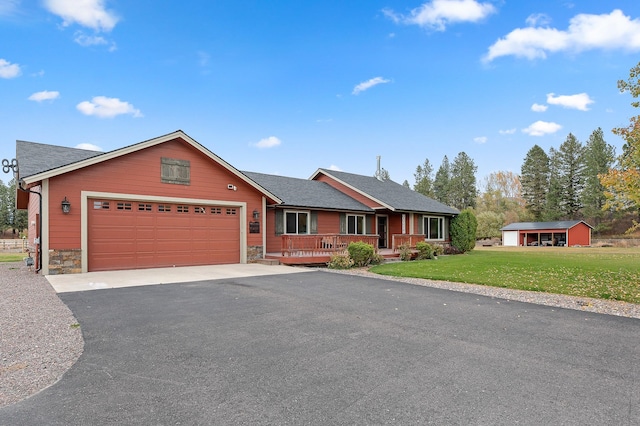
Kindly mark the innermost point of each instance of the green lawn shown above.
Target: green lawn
(12, 257)
(603, 273)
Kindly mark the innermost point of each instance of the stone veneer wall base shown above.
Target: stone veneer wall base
(68, 261)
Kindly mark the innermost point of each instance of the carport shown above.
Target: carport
(560, 233)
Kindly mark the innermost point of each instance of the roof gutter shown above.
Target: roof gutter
(20, 185)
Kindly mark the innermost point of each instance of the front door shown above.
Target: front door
(382, 231)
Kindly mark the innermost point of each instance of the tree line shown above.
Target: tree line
(574, 181)
(453, 184)
(10, 218)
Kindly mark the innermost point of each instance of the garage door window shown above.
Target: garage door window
(144, 207)
(164, 208)
(123, 206)
(101, 205)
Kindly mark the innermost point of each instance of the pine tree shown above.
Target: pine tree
(5, 206)
(441, 182)
(462, 185)
(424, 181)
(571, 171)
(406, 184)
(19, 219)
(552, 208)
(534, 178)
(599, 157)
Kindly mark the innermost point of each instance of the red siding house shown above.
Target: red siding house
(562, 233)
(169, 201)
(323, 214)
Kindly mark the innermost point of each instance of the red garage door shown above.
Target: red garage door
(132, 235)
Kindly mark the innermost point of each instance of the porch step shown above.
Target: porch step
(268, 261)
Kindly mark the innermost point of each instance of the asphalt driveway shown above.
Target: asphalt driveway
(322, 348)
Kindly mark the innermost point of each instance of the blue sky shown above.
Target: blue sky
(286, 87)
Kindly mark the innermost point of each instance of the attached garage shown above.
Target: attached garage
(163, 202)
(140, 234)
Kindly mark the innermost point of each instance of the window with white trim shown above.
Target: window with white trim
(355, 224)
(296, 222)
(434, 228)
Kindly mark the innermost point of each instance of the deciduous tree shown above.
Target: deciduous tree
(505, 183)
(622, 182)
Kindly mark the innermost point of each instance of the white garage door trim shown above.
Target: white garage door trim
(86, 195)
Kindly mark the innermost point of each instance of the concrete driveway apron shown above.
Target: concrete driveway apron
(154, 276)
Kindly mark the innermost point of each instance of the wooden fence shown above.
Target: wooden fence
(19, 245)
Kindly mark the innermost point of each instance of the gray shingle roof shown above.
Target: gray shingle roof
(307, 193)
(392, 194)
(536, 226)
(34, 158)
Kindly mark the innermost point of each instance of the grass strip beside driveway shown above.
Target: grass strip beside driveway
(602, 273)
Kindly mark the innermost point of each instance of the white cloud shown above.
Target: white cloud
(269, 142)
(481, 139)
(368, 84)
(8, 7)
(586, 32)
(9, 70)
(103, 107)
(580, 101)
(45, 95)
(541, 128)
(89, 147)
(86, 40)
(335, 168)
(538, 108)
(437, 14)
(507, 131)
(87, 13)
(538, 19)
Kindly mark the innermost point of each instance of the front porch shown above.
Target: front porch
(317, 249)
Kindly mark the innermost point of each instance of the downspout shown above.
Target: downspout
(39, 226)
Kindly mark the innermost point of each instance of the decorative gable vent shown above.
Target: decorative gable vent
(175, 171)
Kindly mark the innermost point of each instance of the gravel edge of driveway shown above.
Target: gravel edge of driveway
(40, 339)
(586, 304)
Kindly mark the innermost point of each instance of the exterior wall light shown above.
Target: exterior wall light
(256, 214)
(66, 206)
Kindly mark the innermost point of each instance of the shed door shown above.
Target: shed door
(510, 238)
(133, 235)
